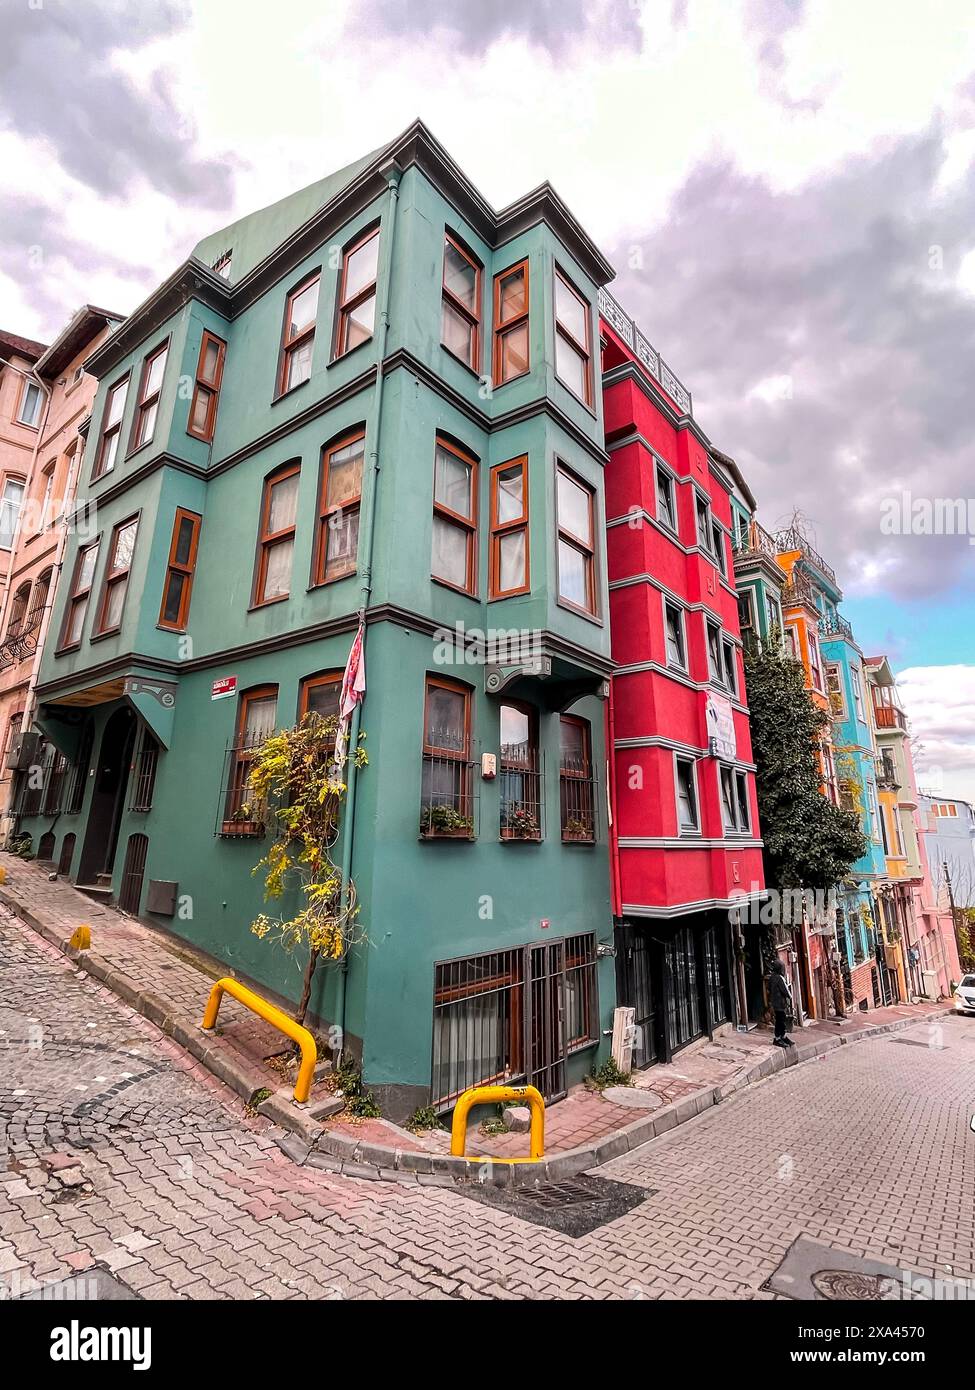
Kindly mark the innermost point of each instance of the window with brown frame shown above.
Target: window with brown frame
(18, 611)
(508, 567)
(116, 579)
(175, 607)
(320, 695)
(111, 428)
(153, 369)
(256, 721)
(573, 339)
(576, 783)
(206, 392)
(446, 795)
(454, 558)
(460, 319)
(576, 536)
(520, 772)
(298, 333)
(38, 600)
(357, 293)
(81, 582)
(276, 540)
(511, 350)
(339, 498)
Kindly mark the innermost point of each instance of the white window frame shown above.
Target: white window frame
(30, 385)
(695, 829)
(857, 693)
(673, 665)
(659, 473)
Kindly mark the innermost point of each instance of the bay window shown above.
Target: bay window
(454, 557)
(511, 348)
(576, 542)
(116, 581)
(460, 320)
(509, 562)
(573, 339)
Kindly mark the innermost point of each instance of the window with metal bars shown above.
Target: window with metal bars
(242, 813)
(520, 779)
(513, 1015)
(447, 797)
(55, 784)
(144, 772)
(75, 796)
(577, 786)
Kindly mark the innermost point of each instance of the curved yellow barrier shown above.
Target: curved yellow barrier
(488, 1095)
(277, 1019)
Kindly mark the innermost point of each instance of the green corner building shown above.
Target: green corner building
(376, 396)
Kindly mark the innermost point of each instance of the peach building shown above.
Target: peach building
(22, 400)
(45, 404)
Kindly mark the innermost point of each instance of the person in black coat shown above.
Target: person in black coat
(780, 998)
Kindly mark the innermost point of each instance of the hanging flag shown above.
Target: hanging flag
(353, 689)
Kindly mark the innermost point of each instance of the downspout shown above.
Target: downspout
(370, 497)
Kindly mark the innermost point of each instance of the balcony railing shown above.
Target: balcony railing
(887, 773)
(799, 589)
(889, 717)
(648, 356)
(757, 542)
(793, 539)
(832, 625)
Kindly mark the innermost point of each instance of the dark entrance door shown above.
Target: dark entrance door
(108, 797)
(546, 1038)
(639, 965)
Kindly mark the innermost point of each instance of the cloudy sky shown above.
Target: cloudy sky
(786, 189)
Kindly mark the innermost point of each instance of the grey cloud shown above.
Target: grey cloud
(40, 250)
(474, 25)
(57, 82)
(830, 286)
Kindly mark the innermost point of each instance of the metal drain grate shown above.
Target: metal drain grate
(574, 1207)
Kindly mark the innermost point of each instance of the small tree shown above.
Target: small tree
(809, 842)
(295, 773)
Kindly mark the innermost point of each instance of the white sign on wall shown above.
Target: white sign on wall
(721, 726)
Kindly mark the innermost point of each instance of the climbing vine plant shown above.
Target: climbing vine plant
(295, 774)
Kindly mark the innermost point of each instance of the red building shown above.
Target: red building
(685, 843)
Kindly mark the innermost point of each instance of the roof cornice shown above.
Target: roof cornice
(191, 280)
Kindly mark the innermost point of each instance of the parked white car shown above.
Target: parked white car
(965, 995)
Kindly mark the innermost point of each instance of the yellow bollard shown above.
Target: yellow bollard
(487, 1095)
(277, 1019)
(3, 874)
(81, 938)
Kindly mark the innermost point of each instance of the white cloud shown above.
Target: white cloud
(940, 703)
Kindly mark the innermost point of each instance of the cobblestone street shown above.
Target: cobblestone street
(123, 1155)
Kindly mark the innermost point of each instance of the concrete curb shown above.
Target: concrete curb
(305, 1142)
(339, 1153)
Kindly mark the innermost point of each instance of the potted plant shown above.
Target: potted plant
(520, 824)
(445, 822)
(575, 829)
(243, 822)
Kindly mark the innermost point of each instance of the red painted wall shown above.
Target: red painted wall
(649, 703)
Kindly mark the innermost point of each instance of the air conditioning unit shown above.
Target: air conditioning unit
(24, 750)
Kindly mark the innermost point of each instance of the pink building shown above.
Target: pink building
(44, 417)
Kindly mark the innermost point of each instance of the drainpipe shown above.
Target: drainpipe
(370, 492)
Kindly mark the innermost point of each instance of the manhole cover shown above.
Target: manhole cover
(574, 1207)
(918, 1042)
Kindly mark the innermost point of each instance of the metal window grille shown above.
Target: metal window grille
(55, 784)
(514, 1015)
(577, 796)
(448, 801)
(239, 812)
(75, 797)
(144, 781)
(522, 783)
(33, 787)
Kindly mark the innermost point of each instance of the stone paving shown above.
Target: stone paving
(129, 1158)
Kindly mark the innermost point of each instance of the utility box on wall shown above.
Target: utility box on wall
(161, 897)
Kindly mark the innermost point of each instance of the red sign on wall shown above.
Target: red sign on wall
(226, 685)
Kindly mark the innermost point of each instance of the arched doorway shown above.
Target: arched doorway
(45, 846)
(66, 855)
(107, 800)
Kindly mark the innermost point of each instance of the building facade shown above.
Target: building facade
(686, 844)
(66, 392)
(23, 402)
(375, 400)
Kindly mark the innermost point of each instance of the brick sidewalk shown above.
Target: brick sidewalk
(167, 981)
